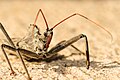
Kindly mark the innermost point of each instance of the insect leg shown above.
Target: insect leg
(6, 46)
(24, 64)
(65, 44)
(2, 46)
(77, 49)
(7, 36)
(11, 48)
(16, 50)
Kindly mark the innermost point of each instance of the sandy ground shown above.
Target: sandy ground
(104, 54)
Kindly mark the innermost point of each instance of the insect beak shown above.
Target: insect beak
(48, 36)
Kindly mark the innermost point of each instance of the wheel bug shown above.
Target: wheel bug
(38, 44)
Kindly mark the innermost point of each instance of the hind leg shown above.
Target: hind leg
(63, 44)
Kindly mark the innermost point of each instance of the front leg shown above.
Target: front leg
(3, 46)
(62, 45)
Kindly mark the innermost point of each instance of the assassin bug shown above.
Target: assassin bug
(35, 45)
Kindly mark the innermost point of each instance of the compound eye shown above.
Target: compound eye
(45, 34)
(33, 25)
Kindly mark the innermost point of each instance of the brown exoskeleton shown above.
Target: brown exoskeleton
(35, 45)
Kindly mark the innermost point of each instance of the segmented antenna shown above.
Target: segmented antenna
(34, 25)
(98, 25)
(43, 18)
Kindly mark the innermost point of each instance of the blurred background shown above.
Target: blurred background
(16, 15)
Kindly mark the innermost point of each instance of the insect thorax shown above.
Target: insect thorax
(34, 41)
(39, 41)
